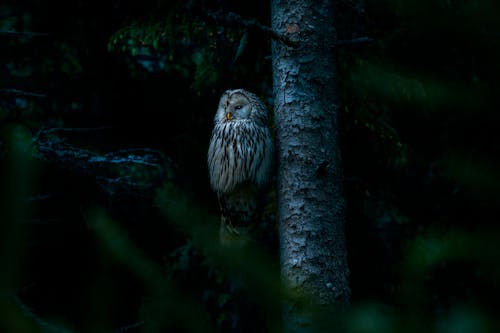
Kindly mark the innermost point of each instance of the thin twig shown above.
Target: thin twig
(40, 221)
(21, 93)
(24, 33)
(41, 324)
(39, 197)
(51, 130)
(358, 40)
(129, 327)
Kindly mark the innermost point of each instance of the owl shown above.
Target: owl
(240, 157)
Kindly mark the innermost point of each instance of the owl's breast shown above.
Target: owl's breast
(238, 152)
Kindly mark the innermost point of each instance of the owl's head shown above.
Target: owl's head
(240, 105)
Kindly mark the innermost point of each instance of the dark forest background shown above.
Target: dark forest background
(107, 220)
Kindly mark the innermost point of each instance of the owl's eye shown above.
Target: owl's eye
(238, 107)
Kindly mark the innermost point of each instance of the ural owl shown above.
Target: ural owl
(239, 162)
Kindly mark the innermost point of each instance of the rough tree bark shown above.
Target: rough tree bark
(311, 218)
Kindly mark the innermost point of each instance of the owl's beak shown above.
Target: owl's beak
(229, 116)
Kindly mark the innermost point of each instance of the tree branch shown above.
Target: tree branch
(233, 19)
(359, 40)
(21, 93)
(136, 172)
(129, 327)
(24, 33)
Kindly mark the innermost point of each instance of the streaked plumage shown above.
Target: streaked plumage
(239, 158)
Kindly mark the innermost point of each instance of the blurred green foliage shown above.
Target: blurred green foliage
(419, 135)
(180, 42)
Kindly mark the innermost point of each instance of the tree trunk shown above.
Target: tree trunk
(311, 217)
